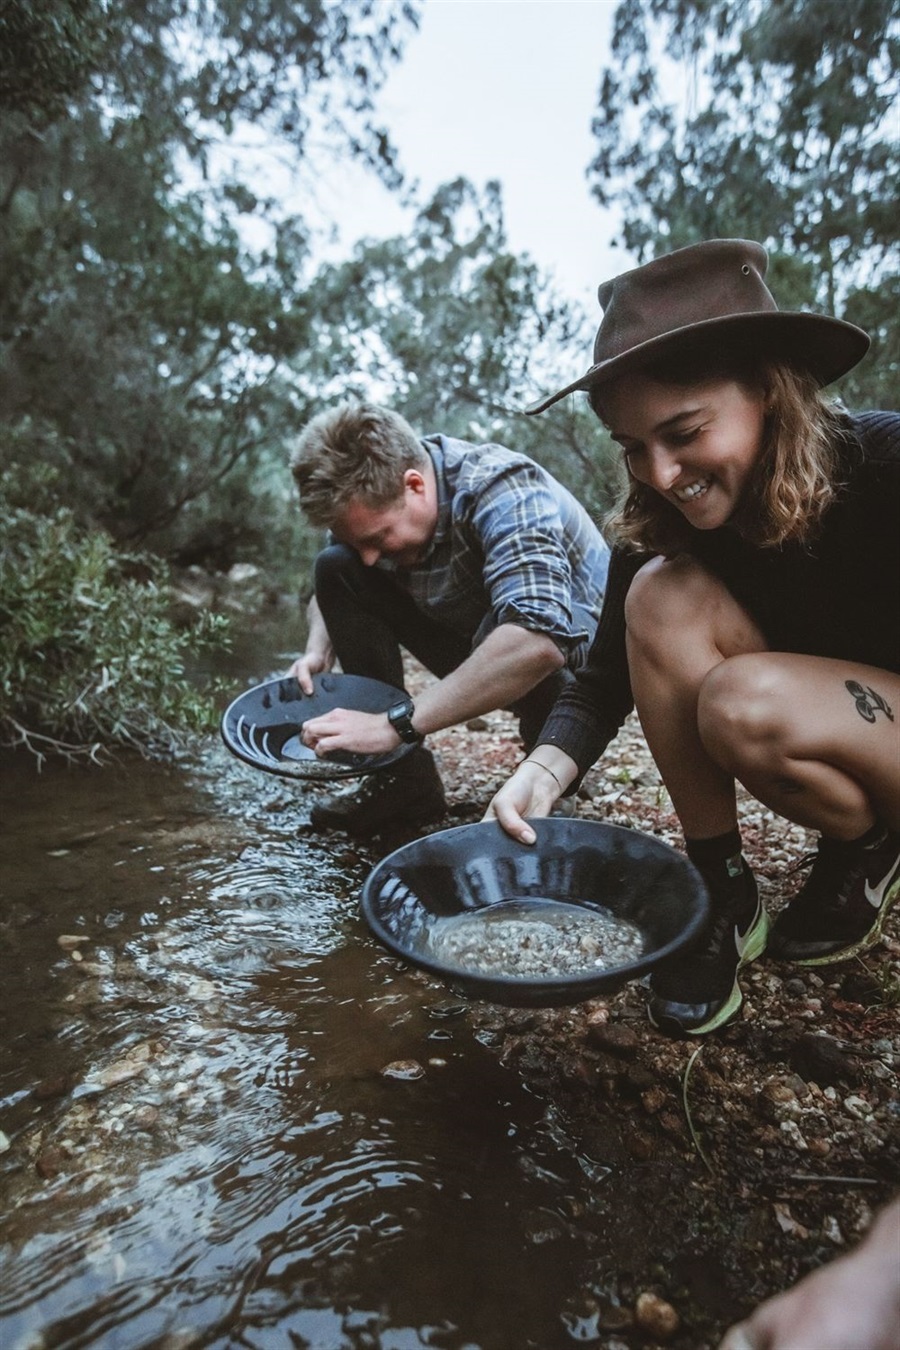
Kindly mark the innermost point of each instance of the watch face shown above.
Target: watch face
(400, 718)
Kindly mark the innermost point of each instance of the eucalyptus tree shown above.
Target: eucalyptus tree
(143, 324)
(154, 283)
(770, 119)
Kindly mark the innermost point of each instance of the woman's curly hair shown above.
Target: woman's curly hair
(793, 482)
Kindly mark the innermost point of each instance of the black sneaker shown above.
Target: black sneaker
(410, 793)
(841, 908)
(699, 991)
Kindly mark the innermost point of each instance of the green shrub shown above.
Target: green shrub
(89, 658)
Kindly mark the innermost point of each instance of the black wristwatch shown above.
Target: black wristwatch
(400, 718)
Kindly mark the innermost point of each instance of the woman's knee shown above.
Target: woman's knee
(743, 711)
(678, 613)
(664, 593)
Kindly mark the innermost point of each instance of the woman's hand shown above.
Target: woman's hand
(532, 791)
(852, 1302)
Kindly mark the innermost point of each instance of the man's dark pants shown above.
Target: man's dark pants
(369, 619)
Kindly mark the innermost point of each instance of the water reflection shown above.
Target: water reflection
(215, 1155)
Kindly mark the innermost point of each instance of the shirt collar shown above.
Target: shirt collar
(435, 451)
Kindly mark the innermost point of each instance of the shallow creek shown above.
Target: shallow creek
(230, 1119)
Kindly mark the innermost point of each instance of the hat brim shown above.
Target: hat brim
(826, 347)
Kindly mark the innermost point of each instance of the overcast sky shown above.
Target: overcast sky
(500, 89)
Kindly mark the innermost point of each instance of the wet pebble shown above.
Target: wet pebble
(5, 1145)
(406, 1069)
(656, 1316)
(777, 1100)
(145, 1117)
(857, 1107)
(653, 1100)
(791, 1131)
(97, 969)
(50, 1162)
(49, 1088)
(200, 989)
(614, 1038)
(442, 1011)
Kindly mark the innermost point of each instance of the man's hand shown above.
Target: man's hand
(342, 729)
(306, 666)
(319, 654)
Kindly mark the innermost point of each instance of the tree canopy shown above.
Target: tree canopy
(141, 322)
(770, 120)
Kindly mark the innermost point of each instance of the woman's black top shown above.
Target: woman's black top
(837, 596)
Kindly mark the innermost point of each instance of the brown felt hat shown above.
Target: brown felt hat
(709, 295)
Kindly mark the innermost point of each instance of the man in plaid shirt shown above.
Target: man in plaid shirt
(472, 557)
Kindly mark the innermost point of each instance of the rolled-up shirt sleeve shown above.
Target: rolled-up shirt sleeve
(526, 575)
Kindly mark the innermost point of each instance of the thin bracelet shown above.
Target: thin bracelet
(547, 769)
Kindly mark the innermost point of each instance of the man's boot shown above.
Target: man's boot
(410, 793)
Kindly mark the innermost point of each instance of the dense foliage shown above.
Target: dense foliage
(89, 659)
(143, 339)
(136, 319)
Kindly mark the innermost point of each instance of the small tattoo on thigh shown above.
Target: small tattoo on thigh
(868, 702)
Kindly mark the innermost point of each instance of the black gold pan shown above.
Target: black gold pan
(263, 725)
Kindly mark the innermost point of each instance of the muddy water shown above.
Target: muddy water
(236, 1121)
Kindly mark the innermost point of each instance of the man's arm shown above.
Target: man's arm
(319, 654)
(503, 668)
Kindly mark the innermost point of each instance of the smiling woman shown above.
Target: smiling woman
(695, 447)
(754, 592)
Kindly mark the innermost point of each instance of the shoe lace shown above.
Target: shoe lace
(820, 888)
(808, 860)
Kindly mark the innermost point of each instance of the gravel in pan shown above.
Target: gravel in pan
(523, 939)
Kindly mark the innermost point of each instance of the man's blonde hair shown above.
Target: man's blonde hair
(356, 451)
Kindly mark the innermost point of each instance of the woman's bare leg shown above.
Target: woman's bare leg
(815, 739)
(682, 624)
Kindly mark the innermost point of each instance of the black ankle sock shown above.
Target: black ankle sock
(715, 852)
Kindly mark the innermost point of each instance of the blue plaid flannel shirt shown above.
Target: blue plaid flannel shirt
(512, 545)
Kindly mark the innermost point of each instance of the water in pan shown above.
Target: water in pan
(527, 939)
